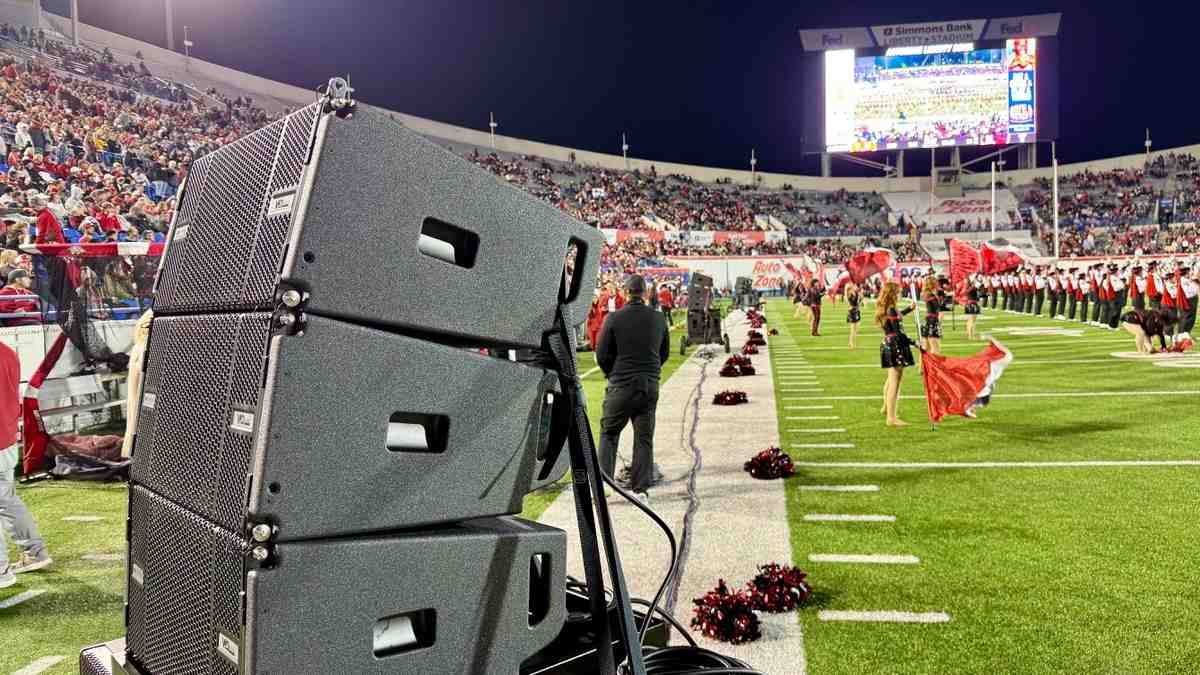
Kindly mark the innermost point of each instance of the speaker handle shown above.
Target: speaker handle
(587, 270)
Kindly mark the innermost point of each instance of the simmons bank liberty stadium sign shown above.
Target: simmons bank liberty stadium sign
(931, 33)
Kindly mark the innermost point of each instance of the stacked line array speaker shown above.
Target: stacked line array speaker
(327, 459)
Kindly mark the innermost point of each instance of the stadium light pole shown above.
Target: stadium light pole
(753, 168)
(1056, 250)
(492, 127)
(625, 150)
(993, 200)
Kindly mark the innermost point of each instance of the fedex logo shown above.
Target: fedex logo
(1012, 28)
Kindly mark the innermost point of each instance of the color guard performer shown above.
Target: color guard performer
(931, 330)
(895, 352)
(854, 314)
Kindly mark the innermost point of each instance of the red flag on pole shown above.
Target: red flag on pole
(958, 385)
(964, 261)
(863, 265)
(999, 256)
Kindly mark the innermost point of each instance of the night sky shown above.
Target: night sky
(694, 82)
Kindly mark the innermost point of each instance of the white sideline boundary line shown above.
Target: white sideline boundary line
(1001, 465)
(864, 559)
(21, 597)
(810, 446)
(883, 616)
(839, 488)
(589, 373)
(1065, 394)
(40, 666)
(848, 518)
(1017, 362)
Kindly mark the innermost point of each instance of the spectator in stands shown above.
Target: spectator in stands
(19, 284)
(49, 230)
(8, 262)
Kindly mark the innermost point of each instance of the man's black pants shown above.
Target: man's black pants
(637, 402)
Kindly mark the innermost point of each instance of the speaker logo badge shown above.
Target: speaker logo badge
(228, 647)
(281, 203)
(135, 573)
(181, 232)
(242, 422)
(148, 400)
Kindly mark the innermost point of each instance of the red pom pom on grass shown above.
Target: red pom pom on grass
(726, 616)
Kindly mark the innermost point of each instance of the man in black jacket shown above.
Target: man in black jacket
(633, 344)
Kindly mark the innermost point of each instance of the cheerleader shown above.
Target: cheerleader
(854, 314)
(895, 353)
(799, 295)
(971, 307)
(931, 331)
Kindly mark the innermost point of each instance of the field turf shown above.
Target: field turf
(1063, 569)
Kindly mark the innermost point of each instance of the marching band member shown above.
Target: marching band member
(994, 288)
(1054, 290)
(1085, 292)
(895, 352)
(1137, 287)
(1030, 290)
(1039, 290)
(1169, 293)
(1154, 285)
(1094, 278)
(1072, 289)
(1116, 296)
(1186, 299)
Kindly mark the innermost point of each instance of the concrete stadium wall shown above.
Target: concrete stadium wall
(20, 12)
(180, 66)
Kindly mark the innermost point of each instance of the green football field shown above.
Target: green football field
(1068, 566)
(1031, 555)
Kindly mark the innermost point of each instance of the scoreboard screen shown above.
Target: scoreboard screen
(932, 96)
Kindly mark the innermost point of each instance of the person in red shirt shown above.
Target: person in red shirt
(19, 284)
(109, 222)
(49, 230)
(666, 301)
(12, 510)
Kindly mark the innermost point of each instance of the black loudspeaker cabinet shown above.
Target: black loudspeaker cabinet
(372, 223)
(338, 428)
(473, 597)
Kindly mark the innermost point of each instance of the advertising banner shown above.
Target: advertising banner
(933, 33)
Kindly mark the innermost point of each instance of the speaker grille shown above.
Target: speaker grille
(190, 584)
(221, 227)
(201, 372)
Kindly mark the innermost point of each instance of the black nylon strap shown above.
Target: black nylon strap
(588, 486)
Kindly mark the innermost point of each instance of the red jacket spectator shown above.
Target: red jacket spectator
(19, 285)
(49, 230)
(664, 298)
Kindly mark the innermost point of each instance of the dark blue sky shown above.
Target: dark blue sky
(696, 82)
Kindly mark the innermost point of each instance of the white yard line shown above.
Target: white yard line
(1016, 362)
(839, 488)
(811, 418)
(590, 372)
(848, 518)
(808, 407)
(817, 431)
(83, 519)
(103, 557)
(809, 446)
(40, 666)
(864, 559)
(884, 616)
(1065, 394)
(21, 597)
(1000, 465)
